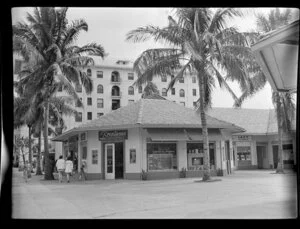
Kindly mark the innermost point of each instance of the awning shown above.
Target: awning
(277, 54)
(167, 134)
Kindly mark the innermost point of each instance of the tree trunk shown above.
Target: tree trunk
(29, 151)
(38, 164)
(48, 164)
(279, 168)
(206, 175)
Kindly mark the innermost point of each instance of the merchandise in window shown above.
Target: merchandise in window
(243, 153)
(195, 155)
(161, 156)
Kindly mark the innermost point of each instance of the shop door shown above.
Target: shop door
(119, 161)
(259, 151)
(109, 161)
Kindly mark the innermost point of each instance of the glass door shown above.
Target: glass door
(109, 161)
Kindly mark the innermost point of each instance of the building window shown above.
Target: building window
(78, 117)
(140, 89)
(99, 115)
(173, 91)
(115, 91)
(100, 89)
(130, 76)
(89, 72)
(164, 92)
(89, 101)
(18, 64)
(181, 93)
(194, 92)
(78, 88)
(115, 76)
(89, 115)
(243, 153)
(195, 156)
(130, 90)
(161, 156)
(163, 78)
(99, 74)
(84, 152)
(182, 103)
(94, 157)
(181, 80)
(194, 79)
(99, 103)
(77, 103)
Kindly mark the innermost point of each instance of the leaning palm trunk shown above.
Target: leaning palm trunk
(206, 174)
(29, 151)
(48, 166)
(38, 166)
(279, 168)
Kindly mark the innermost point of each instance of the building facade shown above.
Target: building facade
(257, 147)
(152, 136)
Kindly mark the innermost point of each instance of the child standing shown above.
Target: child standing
(69, 168)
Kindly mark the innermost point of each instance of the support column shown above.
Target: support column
(79, 153)
(270, 154)
(253, 154)
(181, 155)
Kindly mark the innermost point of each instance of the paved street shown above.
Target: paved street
(244, 195)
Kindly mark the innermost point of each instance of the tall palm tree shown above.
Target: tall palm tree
(200, 43)
(283, 101)
(150, 89)
(47, 44)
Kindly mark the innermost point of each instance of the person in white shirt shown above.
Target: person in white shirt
(60, 165)
(69, 168)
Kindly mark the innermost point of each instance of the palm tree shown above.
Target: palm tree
(283, 101)
(150, 89)
(47, 44)
(199, 43)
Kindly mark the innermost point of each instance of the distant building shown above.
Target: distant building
(257, 147)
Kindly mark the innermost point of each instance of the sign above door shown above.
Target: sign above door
(112, 135)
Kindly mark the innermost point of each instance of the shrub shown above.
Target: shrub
(182, 173)
(144, 175)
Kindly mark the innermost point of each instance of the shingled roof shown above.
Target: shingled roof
(151, 113)
(254, 121)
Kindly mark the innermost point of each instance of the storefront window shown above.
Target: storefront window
(161, 156)
(195, 156)
(94, 157)
(243, 153)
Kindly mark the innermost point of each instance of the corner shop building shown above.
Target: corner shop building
(154, 135)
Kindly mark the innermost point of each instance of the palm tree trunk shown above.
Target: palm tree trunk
(279, 168)
(29, 151)
(48, 166)
(38, 166)
(206, 174)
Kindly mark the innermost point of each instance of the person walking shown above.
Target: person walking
(69, 168)
(60, 166)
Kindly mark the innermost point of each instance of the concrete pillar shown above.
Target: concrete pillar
(253, 153)
(218, 155)
(144, 153)
(181, 155)
(79, 155)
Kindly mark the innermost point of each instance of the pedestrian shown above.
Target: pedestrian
(60, 166)
(69, 168)
(82, 172)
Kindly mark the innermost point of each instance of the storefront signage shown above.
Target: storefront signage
(113, 135)
(242, 138)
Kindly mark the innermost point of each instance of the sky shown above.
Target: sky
(109, 26)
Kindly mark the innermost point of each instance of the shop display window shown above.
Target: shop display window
(161, 156)
(243, 153)
(195, 156)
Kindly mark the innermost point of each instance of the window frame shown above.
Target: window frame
(100, 101)
(130, 91)
(91, 113)
(101, 74)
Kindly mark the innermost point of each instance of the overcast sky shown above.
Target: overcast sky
(109, 26)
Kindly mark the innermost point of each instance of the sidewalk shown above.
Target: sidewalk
(245, 194)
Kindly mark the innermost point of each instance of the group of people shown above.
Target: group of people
(67, 167)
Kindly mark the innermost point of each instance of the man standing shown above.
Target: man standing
(60, 165)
